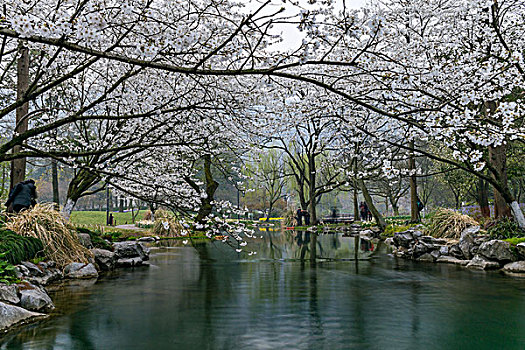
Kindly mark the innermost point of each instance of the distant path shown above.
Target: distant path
(129, 227)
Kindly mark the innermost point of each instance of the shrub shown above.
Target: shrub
(60, 241)
(446, 223)
(7, 271)
(392, 228)
(15, 248)
(504, 228)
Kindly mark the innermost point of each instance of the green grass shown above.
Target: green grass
(99, 217)
(515, 240)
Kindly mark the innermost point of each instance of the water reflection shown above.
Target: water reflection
(206, 297)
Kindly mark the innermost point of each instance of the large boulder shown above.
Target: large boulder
(105, 259)
(126, 250)
(85, 240)
(35, 299)
(9, 294)
(80, 270)
(515, 267)
(12, 315)
(404, 239)
(467, 241)
(481, 263)
(497, 250)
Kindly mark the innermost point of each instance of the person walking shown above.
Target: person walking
(363, 210)
(22, 196)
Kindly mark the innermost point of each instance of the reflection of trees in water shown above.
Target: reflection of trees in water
(316, 323)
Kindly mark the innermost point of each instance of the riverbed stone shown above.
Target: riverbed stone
(403, 239)
(443, 250)
(426, 257)
(435, 254)
(417, 233)
(420, 249)
(467, 241)
(85, 240)
(389, 241)
(11, 315)
(105, 259)
(456, 252)
(447, 259)
(515, 267)
(130, 262)
(9, 293)
(126, 250)
(497, 250)
(80, 270)
(34, 270)
(521, 249)
(481, 263)
(36, 299)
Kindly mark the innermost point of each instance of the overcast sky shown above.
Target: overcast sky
(291, 35)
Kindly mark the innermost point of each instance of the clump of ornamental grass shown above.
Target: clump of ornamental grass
(60, 241)
(446, 223)
(166, 224)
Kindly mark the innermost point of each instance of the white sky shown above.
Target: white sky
(292, 37)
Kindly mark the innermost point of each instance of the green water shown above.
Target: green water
(210, 297)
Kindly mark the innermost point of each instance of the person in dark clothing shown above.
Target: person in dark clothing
(22, 196)
(306, 215)
(363, 210)
(299, 217)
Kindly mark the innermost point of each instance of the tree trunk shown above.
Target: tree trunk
(370, 203)
(80, 183)
(54, 176)
(211, 186)
(414, 210)
(312, 178)
(18, 166)
(121, 205)
(68, 208)
(498, 160)
(356, 203)
(483, 198)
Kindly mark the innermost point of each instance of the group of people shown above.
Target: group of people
(364, 212)
(22, 196)
(300, 214)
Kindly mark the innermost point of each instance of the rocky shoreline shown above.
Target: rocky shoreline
(28, 301)
(473, 250)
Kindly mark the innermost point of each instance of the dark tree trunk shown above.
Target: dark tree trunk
(370, 203)
(498, 160)
(18, 166)
(54, 176)
(356, 203)
(414, 210)
(483, 198)
(312, 196)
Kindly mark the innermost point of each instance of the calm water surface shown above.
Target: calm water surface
(209, 297)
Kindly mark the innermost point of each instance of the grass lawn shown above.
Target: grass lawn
(99, 217)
